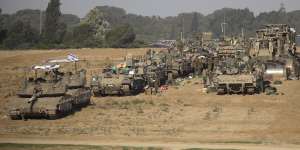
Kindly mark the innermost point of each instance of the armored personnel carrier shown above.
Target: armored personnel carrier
(234, 74)
(235, 84)
(50, 94)
(115, 81)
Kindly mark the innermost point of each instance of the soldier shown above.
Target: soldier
(259, 69)
(156, 86)
(210, 63)
(294, 49)
(196, 66)
(204, 77)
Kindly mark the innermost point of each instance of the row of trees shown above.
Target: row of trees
(154, 28)
(21, 31)
(106, 26)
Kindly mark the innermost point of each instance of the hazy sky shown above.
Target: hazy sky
(152, 7)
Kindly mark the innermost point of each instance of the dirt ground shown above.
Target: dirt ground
(182, 113)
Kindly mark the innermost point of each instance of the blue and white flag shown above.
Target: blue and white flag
(46, 67)
(72, 57)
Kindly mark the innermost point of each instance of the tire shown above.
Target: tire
(250, 91)
(15, 117)
(221, 91)
(53, 117)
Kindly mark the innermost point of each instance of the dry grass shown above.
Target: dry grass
(179, 114)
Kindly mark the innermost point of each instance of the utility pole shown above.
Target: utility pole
(41, 17)
(223, 26)
(182, 32)
(181, 36)
(243, 33)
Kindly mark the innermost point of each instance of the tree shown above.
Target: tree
(53, 28)
(282, 14)
(120, 37)
(21, 35)
(96, 19)
(3, 31)
(195, 23)
(173, 33)
(82, 36)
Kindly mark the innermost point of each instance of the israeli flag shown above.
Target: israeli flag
(46, 67)
(72, 57)
(293, 30)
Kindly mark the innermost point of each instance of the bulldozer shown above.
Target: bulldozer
(275, 44)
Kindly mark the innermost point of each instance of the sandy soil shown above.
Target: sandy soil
(181, 114)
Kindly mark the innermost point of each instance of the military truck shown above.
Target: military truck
(50, 94)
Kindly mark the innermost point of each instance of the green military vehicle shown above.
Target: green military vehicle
(117, 82)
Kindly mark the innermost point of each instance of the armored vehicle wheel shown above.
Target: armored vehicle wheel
(270, 90)
(15, 117)
(221, 91)
(125, 90)
(250, 91)
(97, 94)
(53, 117)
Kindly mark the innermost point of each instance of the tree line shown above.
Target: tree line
(106, 26)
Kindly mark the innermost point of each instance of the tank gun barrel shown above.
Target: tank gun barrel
(35, 95)
(33, 99)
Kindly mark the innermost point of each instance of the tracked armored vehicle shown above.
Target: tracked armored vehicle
(236, 84)
(235, 77)
(50, 94)
(110, 84)
(120, 82)
(234, 72)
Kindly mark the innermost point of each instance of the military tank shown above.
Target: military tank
(50, 94)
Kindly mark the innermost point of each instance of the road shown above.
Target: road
(167, 145)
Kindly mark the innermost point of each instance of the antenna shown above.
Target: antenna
(182, 33)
